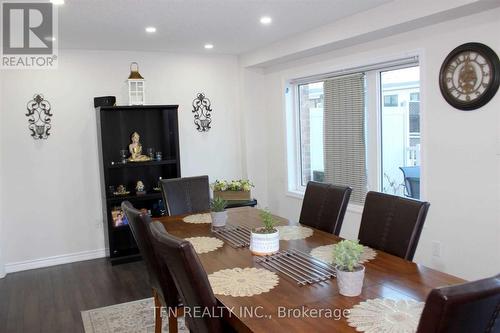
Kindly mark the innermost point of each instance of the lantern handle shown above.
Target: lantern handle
(136, 65)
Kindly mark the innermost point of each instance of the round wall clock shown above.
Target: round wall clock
(470, 76)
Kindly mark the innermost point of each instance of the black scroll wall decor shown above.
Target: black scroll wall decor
(202, 110)
(39, 117)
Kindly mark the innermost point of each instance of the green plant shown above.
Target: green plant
(346, 255)
(268, 221)
(218, 204)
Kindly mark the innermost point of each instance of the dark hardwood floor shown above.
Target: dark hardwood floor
(50, 299)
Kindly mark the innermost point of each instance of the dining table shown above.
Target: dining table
(316, 307)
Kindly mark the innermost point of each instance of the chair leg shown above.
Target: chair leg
(172, 321)
(158, 320)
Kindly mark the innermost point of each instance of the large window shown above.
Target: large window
(360, 130)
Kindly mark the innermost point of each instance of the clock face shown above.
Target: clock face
(469, 76)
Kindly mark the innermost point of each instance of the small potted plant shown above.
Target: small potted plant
(350, 273)
(218, 212)
(266, 239)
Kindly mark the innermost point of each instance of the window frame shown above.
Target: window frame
(294, 187)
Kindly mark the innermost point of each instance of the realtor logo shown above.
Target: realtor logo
(28, 35)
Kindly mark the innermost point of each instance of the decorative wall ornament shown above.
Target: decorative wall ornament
(202, 110)
(136, 86)
(39, 117)
(470, 76)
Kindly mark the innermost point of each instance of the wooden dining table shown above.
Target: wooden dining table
(317, 307)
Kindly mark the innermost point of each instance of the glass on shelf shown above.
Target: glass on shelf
(151, 153)
(158, 156)
(123, 155)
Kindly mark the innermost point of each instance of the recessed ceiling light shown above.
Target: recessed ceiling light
(209, 46)
(150, 29)
(57, 2)
(266, 20)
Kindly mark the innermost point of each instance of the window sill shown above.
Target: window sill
(353, 208)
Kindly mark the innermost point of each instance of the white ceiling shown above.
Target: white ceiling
(186, 25)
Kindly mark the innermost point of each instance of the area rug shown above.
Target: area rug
(131, 317)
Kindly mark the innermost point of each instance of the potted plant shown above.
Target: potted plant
(233, 190)
(218, 212)
(350, 273)
(266, 239)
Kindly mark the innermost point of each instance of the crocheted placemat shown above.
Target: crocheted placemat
(241, 282)
(205, 244)
(198, 218)
(292, 232)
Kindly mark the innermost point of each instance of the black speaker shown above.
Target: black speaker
(104, 101)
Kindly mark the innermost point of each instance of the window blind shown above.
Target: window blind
(344, 133)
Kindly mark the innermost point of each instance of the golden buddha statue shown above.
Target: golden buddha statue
(135, 149)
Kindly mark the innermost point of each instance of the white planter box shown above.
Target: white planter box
(219, 219)
(264, 244)
(350, 283)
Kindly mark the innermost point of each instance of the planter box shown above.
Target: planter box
(233, 195)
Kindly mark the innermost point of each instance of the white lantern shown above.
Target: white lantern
(136, 95)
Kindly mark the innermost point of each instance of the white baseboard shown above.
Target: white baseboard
(55, 260)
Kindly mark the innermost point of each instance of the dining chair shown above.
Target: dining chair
(469, 307)
(324, 206)
(186, 195)
(190, 278)
(392, 223)
(164, 291)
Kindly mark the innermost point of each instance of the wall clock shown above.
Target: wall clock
(470, 76)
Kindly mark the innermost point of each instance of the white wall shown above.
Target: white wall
(461, 150)
(51, 187)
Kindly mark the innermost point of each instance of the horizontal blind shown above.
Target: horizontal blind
(344, 133)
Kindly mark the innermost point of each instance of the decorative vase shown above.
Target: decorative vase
(263, 244)
(350, 283)
(219, 219)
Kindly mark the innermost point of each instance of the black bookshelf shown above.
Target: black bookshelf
(158, 127)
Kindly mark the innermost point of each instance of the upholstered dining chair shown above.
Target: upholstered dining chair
(164, 291)
(186, 195)
(392, 224)
(190, 278)
(324, 206)
(465, 308)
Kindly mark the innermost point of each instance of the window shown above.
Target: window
(400, 132)
(361, 130)
(390, 100)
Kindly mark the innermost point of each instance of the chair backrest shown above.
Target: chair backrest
(190, 278)
(465, 308)
(324, 206)
(392, 224)
(186, 195)
(412, 181)
(159, 276)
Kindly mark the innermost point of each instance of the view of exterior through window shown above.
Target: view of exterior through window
(401, 131)
(311, 100)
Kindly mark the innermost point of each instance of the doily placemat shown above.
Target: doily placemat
(198, 218)
(325, 253)
(205, 244)
(291, 232)
(240, 282)
(383, 315)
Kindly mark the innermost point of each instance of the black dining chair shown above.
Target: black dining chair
(190, 279)
(465, 308)
(324, 206)
(392, 223)
(186, 195)
(164, 291)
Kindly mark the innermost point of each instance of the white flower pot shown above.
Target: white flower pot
(219, 219)
(264, 244)
(350, 283)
